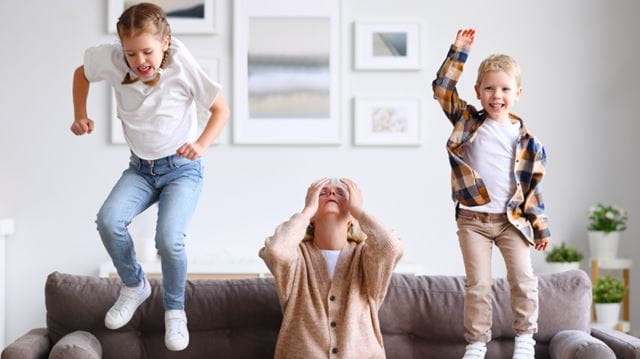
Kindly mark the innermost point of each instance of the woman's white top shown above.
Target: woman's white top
(331, 258)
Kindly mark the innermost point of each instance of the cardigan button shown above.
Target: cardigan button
(332, 298)
(334, 350)
(333, 324)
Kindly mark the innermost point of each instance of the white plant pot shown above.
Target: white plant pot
(607, 314)
(557, 267)
(603, 245)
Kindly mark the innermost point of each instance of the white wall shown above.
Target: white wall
(580, 79)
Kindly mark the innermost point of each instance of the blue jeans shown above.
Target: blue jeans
(175, 183)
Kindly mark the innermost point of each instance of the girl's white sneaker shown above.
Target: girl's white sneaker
(176, 335)
(125, 306)
(475, 350)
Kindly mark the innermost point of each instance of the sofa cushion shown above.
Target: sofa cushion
(421, 313)
(234, 319)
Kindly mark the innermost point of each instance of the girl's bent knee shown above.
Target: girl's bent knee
(109, 223)
(171, 250)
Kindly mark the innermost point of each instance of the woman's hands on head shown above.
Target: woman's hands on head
(355, 198)
(313, 197)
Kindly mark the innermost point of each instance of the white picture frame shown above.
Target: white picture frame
(205, 22)
(387, 46)
(387, 121)
(211, 68)
(286, 72)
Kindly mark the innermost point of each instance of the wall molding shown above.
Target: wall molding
(6, 229)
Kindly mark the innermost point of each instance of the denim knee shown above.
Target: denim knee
(109, 223)
(170, 245)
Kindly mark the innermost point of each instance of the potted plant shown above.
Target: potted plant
(563, 258)
(606, 223)
(608, 292)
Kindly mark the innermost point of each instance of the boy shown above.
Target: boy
(497, 166)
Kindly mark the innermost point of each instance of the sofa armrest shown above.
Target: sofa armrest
(33, 345)
(624, 345)
(576, 344)
(77, 345)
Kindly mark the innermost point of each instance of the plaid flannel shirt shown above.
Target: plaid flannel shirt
(525, 209)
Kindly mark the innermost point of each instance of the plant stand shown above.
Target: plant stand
(624, 265)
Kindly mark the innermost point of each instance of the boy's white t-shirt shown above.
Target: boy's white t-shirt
(156, 120)
(331, 258)
(492, 154)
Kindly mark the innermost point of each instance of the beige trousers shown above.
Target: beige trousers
(477, 232)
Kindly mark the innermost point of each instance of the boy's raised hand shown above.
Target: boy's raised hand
(465, 38)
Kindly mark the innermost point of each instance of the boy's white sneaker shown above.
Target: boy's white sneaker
(176, 335)
(128, 301)
(524, 347)
(475, 350)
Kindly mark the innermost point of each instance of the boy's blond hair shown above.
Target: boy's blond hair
(500, 62)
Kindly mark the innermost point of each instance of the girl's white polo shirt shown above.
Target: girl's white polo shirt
(156, 120)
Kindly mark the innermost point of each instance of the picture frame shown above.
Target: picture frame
(286, 87)
(387, 121)
(387, 46)
(184, 16)
(211, 68)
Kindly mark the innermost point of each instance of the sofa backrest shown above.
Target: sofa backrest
(241, 318)
(422, 316)
(226, 319)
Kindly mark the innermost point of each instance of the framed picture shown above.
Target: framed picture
(184, 16)
(210, 67)
(286, 72)
(387, 46)
(391, 122)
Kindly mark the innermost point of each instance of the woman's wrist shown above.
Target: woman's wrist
(307, 212)
(357, 214)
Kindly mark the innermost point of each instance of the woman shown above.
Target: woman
(330, 280)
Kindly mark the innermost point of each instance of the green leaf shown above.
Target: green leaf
(608, 290)
(564, 254)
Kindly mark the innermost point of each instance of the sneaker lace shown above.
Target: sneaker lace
(175, 326)
(126, 297)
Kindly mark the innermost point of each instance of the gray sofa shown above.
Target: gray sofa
(420, 318)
